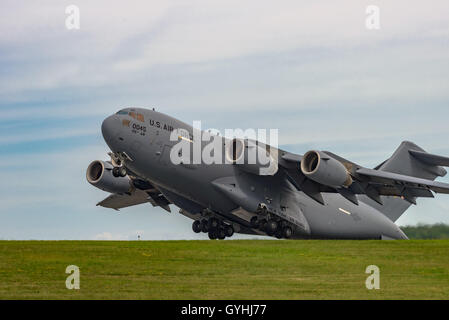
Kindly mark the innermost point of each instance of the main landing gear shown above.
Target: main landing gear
(272, 227)
(215, 228)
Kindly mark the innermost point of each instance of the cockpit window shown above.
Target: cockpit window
(132, 114)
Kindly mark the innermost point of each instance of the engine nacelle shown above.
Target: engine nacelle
(99, 174)
(252, 157)
(324, 169)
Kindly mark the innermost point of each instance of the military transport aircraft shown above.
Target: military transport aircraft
(318, 195)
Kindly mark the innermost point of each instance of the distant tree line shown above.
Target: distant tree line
(427, 231)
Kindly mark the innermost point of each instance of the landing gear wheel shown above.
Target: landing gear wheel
(204, 226)
(278, 234)
(221, 234)
(287, 232)
(271, 227)
(196, 226)
(262, 224)
(122, 171)
(229, 231)
(212, 235)
(115, 172)
(254, 222)
(213, 223)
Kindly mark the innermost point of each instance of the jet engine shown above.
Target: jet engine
(99, 174)
(252, 156)
(321, 168)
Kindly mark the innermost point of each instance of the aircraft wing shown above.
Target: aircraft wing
(118, 201)
(136, 197)
(290, 157)
(373, 183)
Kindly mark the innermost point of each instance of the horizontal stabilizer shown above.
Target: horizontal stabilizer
(385, 177)
(431, 159)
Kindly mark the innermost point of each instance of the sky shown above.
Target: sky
(311, 69)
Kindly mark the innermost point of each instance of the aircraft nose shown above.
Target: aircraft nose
(109, 128)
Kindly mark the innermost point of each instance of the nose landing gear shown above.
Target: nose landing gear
(119, 171)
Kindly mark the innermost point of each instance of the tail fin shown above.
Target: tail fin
(409, 159)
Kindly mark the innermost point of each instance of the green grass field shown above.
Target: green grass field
(239, 269)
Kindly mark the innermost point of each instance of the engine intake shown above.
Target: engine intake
(322, 168)
(251, 156)
(99, 174)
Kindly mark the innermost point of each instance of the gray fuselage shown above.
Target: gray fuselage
(223, 188)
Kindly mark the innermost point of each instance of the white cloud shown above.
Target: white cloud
(46, 134)
(125, 41)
